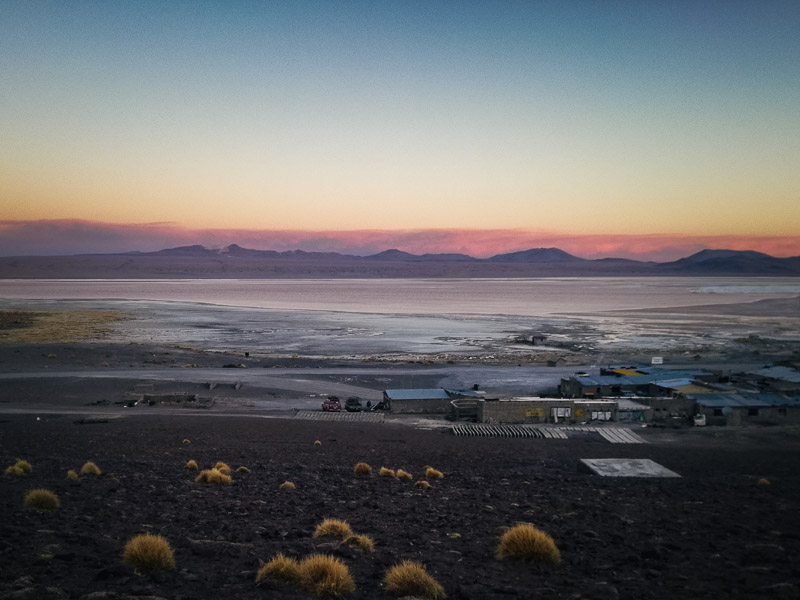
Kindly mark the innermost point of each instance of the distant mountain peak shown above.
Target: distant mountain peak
(537, 255)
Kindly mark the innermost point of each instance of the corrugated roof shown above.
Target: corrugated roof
(782, 373)
(628, 372)
(418, 394)
(745, 400)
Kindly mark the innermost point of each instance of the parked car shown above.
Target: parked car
(332, 404)
(353, 404)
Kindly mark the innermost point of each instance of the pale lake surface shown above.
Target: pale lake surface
(524, 297)
(423, 317)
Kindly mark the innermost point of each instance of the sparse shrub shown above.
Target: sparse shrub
(186, 442)
(213, 476)
(242, 469)
(281, 569)
(24, 465)
(422, 484)
(192, 465)
(334, 528)
(287, 486)
(362, 542)
(41, 500)
(147, 553)
(13, 471)
(363, 469)
(526, 542)
(410, 578)
(384, 472)
(431, 473)
(325, 575)
(72, 475)
(222, 468)
(89, 468)
(317, 444)
(762, 481)
(401, 474)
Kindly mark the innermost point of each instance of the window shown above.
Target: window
(752, 412)
(601, 415)
(561, 412)
(717, 412)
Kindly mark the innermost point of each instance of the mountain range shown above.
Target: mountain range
(233, 261)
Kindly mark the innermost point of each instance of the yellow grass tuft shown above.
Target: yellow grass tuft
(72, 475)
(431, 473)
(410, 578)
(362, 542)
(222, 468)
(192, 465)
(317, 444)
(287, 486)
(526, 542)
(384, 472)
(363, 469)
(762, 482)
(401, 474)
(41, 500)
(13, 471)
(325, 575)
(186, 442)
(281, 569)
(24, 465)
(334, 528)
(213, 476)
(89, 468)
(147, 553)
(242, 469)
(422, 484)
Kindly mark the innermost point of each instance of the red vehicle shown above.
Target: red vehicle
(332, 404)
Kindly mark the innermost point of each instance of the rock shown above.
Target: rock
(782, 590)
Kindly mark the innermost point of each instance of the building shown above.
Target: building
(628, 381)
(776, 379)
(433, 400)
(741, 409)
(545, 410)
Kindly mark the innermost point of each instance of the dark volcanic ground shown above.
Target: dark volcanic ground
(714, 533)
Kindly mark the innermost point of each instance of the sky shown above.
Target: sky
(641, 129)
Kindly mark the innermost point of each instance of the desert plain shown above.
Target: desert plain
(726, 528)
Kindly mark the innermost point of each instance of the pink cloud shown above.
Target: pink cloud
(54, 237)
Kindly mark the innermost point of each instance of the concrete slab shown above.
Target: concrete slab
(626, 467)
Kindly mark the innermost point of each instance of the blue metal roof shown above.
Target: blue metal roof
(781, 373)
(655, 377)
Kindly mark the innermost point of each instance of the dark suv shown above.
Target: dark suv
(353, 404)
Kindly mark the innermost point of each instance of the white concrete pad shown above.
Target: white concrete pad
(627, 467)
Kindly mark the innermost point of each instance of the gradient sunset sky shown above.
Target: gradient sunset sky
(606, 128)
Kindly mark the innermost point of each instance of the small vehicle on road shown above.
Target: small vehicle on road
(353, 404)
(332, 404)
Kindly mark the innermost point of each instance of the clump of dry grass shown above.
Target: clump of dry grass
(317, 444)
(384, 472)
(89, 468)
(13, 471)
(213, 476)
(325, 575)
(242, 469)
(362, 542)
(186, 442)
(422, 484)
(363, 469)
(333, 528)
(401, 474)
(410, 578)
(431, 473)
(192, 465)
(24, 465)
(72, 475)
(147, 553)
(762, 482)
(287, 486)
(41, 500)
(222, 468)
(280, 569)
(526, 542)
